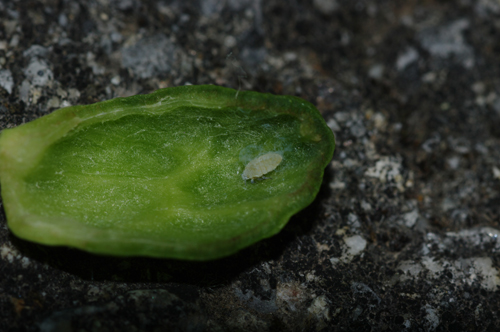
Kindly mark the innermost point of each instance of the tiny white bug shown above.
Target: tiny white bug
(261, 165)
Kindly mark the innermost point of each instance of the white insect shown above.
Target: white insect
(261, 165)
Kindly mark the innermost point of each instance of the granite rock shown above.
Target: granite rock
(403, 235)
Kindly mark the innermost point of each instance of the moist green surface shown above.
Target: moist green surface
(174, 173)
(161, 174)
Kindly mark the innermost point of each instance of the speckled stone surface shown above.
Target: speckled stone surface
(404, 233)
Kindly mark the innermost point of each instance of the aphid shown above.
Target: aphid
(261, 165)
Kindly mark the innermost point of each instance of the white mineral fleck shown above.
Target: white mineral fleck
(36, 51)
(152, 56)
(366, 206)
(25, 262)
(385, 169)
(353, 221)
(496, 173)
(61, 92)
(342, 116)
(53, 102)
(405, 59)
(431, 318)
(380, 121)
(410, 218)
(62, 20)
(73, 94)
(6, 80)
(230, 41)
(410, 269)
(435, 267)
(460, 144)
(97, 69)
(116, 80)
(453, 162)
(376, 71)
(448, 203)
(463, 270)
(9, 253)
(355, 245)
(334, 126)
(38, 72)
(337, 185)
(479, 88)
(14, 41)
(358, 130)
(326, 7)
(448, 40)
(486, 7)
(319, 308)
(24, 91)
(484, 265)
(429, 77)
(292, 294)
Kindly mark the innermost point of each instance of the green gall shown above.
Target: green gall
(163, 174)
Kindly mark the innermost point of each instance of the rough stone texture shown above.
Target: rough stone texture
(404, 233)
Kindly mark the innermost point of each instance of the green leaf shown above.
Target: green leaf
(161, 174)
